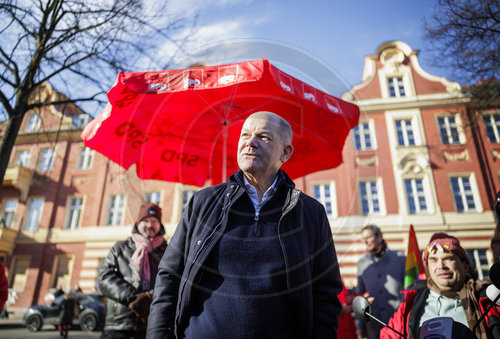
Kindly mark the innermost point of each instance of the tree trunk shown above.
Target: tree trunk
(8, 141)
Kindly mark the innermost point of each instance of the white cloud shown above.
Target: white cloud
(221, 30)
(202, 36)
(191, 7)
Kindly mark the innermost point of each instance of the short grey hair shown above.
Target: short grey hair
(285, 130)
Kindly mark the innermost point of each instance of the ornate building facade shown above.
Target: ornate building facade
(420, 155)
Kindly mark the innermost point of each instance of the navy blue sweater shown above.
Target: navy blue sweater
(241, 290)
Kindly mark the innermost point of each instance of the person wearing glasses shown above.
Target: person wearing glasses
(127, 276)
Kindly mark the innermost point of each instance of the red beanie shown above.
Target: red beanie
(448, 243)
(149, 210)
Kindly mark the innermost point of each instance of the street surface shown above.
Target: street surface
(13, 329)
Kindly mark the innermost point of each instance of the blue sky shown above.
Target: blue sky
(336, 33)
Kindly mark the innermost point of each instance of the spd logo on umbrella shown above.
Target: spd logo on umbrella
(184, 125)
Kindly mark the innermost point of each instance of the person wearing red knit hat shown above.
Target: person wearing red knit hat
(127, 276)
(451, 290)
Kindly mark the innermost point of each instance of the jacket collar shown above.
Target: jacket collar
(283, 179)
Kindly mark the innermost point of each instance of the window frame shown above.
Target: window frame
(71, 210)
(156, 194)
(380, 196)
(27, 226)
(12, 214)
(186, 195)
(117, 220)
(448, 128)
(33, 124)
(396, 86)
(333, 213)
(23, 160)
(45, 165)
(78, 121)
(482, 268)
(415, 196)
(369, 132)
(13, 272)
(405, 132)
(54, 283)
(473, 193)
(495, 127)
(85, 158)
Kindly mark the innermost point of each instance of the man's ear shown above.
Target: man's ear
(287, 153)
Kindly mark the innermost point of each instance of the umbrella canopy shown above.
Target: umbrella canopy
(184, 125)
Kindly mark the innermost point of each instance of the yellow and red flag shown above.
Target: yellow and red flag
(414, 266)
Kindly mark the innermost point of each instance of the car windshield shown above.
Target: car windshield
(58, 300)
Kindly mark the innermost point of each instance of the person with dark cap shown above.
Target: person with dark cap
(127, 276)
(450, 290)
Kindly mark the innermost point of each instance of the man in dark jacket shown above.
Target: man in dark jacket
(253, 257)
(381, 274)
(450, 291)
(128, 274)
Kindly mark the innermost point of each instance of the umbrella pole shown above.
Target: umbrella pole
(224, 153)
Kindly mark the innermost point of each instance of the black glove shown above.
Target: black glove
(140, 305)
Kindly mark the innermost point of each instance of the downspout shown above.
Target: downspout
(101, 204)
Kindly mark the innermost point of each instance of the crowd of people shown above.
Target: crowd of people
(255, 258)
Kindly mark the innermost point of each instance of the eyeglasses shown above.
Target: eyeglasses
(150, 221)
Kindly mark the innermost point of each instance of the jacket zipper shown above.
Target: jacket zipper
(256, 223)
(185, 301)
(286, 211)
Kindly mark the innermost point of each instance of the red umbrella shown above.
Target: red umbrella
(183, 125)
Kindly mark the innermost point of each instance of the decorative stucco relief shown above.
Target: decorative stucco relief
(496, 154)
(412, 164)
(456, 156)
(371, 161)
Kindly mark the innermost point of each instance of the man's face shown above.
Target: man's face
(261, 150)
(149, 227)
(446, 269)
(370, 239)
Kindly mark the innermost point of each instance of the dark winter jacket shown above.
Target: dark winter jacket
(67, 311)
(407, 317)
(312, 272)
(115, 282)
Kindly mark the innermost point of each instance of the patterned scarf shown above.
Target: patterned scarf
(379, 250)
(469, 300)
(139, 262)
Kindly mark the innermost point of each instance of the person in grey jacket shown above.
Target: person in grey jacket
(253, 257)
(128, 274)
(380, 273)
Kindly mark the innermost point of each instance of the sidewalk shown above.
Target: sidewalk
(16, 315)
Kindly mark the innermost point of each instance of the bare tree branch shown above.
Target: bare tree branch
(61, 102)
(465, 36)
(6, 104)
(76, 44)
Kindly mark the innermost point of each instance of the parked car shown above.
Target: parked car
(90, 315)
